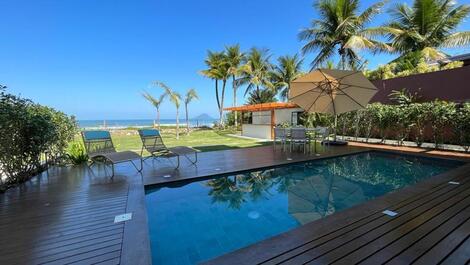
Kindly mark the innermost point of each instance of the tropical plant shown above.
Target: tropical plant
(175, 98)
(341, 28)
(256, 71)
(404, 67)
(76, 153)
(191, 95)
(286, 71)
(427, 27)
(440, 117)
(261, 96)
(218, 69)
(156, 102)
(461, 125)
(403, 97)
(234, 58)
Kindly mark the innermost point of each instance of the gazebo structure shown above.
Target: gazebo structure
(259, 119)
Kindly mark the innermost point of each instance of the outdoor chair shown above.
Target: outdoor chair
(100, 149)
(280, 135)
(322, 134)
(298, 136)
(152, 142)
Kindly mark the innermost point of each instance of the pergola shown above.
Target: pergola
(271, 106)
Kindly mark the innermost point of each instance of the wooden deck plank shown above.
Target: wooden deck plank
(457, 241)
(414, 244)
(406, 235)
(339, 247)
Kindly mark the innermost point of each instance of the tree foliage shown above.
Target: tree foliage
(28, 131)
(342, 30)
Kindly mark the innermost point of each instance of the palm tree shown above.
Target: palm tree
(156, 103)
(175, 98)
(261, 96)
(234, 57)
(256, 71)
(285, 72)
(340, 28)
(190, 96)
(426, 27)
(218, 69)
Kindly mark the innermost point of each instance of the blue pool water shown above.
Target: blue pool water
(197, 221)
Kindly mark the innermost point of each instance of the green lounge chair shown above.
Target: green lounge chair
(100, 149)
(153, 143)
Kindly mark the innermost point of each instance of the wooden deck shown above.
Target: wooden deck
(66, 216)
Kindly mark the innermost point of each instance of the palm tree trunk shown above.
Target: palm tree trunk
(187, 119)
(235, 100)
(177, 124)
(158, 118)
(221, 108)
(217, 92)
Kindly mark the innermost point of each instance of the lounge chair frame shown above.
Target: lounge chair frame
(100, 149)
(152, 142)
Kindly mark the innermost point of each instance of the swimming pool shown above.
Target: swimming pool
(196, 221)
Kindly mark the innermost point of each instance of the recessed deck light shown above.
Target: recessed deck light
(454, 183)
(389, 213)
(289, 159)
(217, 169)
(167, 176)
(122, 218)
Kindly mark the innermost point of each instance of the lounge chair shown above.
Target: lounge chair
(153, 143)
(100, 149)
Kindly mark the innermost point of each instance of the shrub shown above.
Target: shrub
(28, 131)
(445, 122)
(76, 153)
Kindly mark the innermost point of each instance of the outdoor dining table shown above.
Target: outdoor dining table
(311, 134)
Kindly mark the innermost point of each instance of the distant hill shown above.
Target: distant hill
(203, 117)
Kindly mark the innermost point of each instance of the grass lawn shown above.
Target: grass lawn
(204, 140)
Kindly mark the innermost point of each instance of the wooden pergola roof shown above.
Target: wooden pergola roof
(264, 106)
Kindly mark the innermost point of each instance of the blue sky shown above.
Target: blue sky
(93, 58)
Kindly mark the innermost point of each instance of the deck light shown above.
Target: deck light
(122, 218)
(389, 213)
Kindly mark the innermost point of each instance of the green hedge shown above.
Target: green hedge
(28, 131)
(438, 122)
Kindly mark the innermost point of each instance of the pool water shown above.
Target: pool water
(197, 221)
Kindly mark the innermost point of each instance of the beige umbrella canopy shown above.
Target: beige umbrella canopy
(332, 91)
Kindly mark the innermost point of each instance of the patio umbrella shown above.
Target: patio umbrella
(332, 91)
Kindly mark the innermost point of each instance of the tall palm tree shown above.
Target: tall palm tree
(341, 29)
(217, 70)
(234, 57)
(256, 71)
(175, 98)
(261, 96)
(191, 95)
(285, 72)
(156, 102)
(426, 27)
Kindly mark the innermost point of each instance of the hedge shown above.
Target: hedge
(27, 132)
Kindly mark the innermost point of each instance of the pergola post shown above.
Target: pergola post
(273, 123)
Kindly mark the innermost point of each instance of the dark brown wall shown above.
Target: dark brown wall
(449, 85)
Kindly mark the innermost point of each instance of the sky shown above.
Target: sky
(94, 58)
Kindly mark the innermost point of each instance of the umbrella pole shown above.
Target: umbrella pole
(336, 125)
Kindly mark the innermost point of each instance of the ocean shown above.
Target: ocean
(139, 123)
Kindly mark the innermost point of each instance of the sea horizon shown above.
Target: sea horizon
(139, 123)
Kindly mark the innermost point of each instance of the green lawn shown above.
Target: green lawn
(204, 140)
